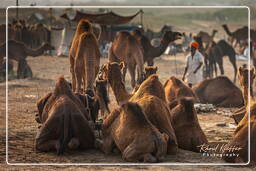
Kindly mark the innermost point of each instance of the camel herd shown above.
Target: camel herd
(148, 123)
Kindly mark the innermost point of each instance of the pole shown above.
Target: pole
(141, 18)
(17, 10)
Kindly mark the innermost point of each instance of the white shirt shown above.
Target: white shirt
(192, 65)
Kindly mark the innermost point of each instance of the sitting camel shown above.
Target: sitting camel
(219, 91)
(240, 138)
(129, 129)
(150, 96)
(84, 58)
(126, 48)
(243, 76)
(150, 52)
(65, 121)
(176, 89)
(186, 126)
(18, 51)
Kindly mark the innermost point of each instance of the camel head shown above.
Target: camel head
(84, 26)
(243, 75)
(46, 46)
(170, 36)
(113, 71)
(150, 70)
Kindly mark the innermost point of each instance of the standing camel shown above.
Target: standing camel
(126, 48)
(216, 54)
(84, 58)
(18, 51)
(150, 52)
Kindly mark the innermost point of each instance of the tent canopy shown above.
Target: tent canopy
(109, 18)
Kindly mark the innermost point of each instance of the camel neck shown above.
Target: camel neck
(245, 94)
(120, 92)
(158, 51)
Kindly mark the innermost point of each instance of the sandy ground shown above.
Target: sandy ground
(22, 127)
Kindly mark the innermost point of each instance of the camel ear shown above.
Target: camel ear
(122, 65)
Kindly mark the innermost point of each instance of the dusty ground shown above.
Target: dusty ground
(22, 127)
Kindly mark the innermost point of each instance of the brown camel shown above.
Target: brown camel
(150, 52)
(150, 96)
(149, 70)
(84, 58)
(219, 91)
(65, 121)
(126, 48)
(206, 38)
(238, 35)
(18, 51)
(102, 94)
(240, 138)
(243, 76)
(186, 126)
(152, 34)
(129, 129)
(176, 89)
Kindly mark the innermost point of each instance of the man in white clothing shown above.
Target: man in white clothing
(194, 66)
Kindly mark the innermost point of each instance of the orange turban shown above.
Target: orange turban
(194, 44)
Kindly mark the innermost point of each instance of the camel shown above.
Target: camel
(238, 35)
(11, 35)
(186, 126)
(18, 51)
(126, 48)
(176, 89)
(65, 121)
(206, 38)
(150, 96)
(152, 34)
(129, 129)
(150, 52)
(149, 70)
(240, 138)
(216, 54)
(243, 76)
(228, 94)
(84, 58)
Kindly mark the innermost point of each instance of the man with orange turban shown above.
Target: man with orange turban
(194, 65)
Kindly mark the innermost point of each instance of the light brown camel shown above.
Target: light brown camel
(18, 51)
(238, 35)
(129, 129)
(126, 48)
(150, 96)
(84, 58)
(243, 76)
(150, 52)
(186, 126)
(219, 91)
(65, 121)
(241, 138)
(176, 89)
(206, 38)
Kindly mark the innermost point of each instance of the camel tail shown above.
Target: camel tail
(225, 27)
(66, 133)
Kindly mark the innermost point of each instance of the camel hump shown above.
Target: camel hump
(62, 86)
(135, 110)
(176, 81)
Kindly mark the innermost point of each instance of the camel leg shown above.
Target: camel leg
(220, 63)
(106, 145)
(78, 76)
(73, 143)
(72, 63)
(131, 68)
(124, 72)
(133, 153)
(232, 59)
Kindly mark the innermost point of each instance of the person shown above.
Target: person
(194, 65)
